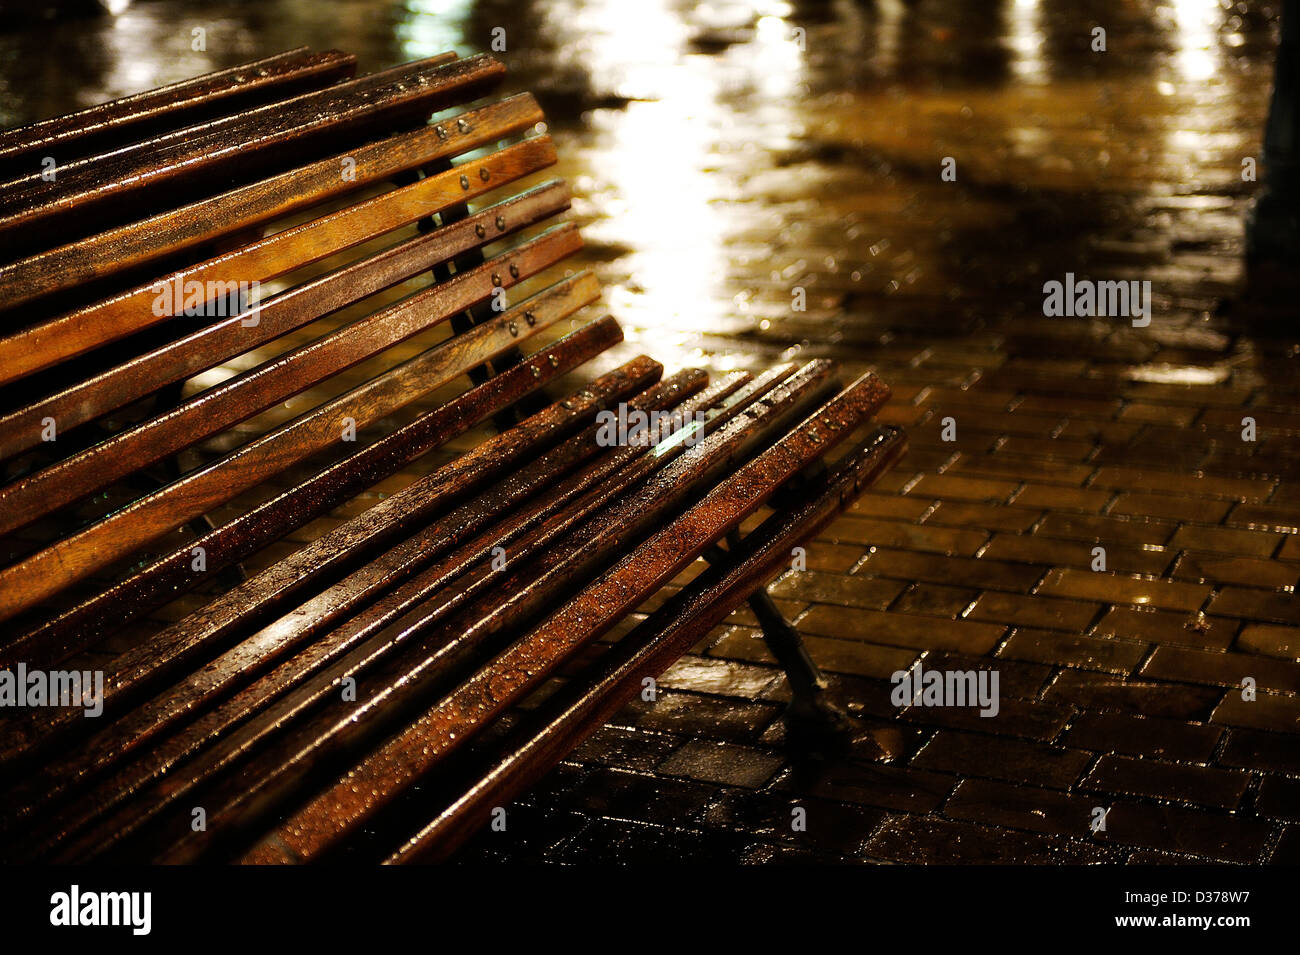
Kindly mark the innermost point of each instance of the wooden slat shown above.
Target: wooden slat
(651, 648)
(49, 343)
(598, 528)
(78, 627)
(209, 346)
(382, 525)
(155, 173)
(241, 397)
(255, 654)
(527, 662)
(175, 230)
(44, 573)
(130, 118)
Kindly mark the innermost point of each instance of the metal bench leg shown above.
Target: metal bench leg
(812, 719)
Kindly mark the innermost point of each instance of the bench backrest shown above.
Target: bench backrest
(156, 246)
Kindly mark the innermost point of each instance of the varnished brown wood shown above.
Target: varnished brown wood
(212, 344)
(133, 118)
(86, 193)
(79, 626)
(137, 243)
(140, 523)
(47, 344)
(651, 648)
(455, 718)
(300, 673)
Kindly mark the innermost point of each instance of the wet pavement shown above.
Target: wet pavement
(733, 162)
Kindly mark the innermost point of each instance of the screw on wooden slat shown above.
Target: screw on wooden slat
(462, 125)
(441, 131)
(480, 231)
(464, 182)
(501, 223)
(496, 279)
(530, 318)
(514, 329)
(484, 174)
(514, 270)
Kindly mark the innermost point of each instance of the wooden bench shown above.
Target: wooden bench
(352, 580)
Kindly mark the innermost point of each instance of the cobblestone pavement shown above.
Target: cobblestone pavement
(726, 162)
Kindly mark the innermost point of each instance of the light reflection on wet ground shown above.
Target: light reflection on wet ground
(725, 153)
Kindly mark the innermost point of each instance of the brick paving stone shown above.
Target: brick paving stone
(1034, 611)
(1269, 517)
(1287, 851)
(989, 517)
(1108, 531)
(1255, 749)
(1087, 585)
(610, 842)
(938, 841)
(935, 600)
(1034, 808)
(1144, 736)
(1109, 655)
(1152, 857)
(723, 677)
(1018, 761)
(1266, 711)
(1100, 691)
(1167, 627)
(625, 748)
(722, 763)
(954, 541)
(688, 714)
(889, 787)
(1249, 490)
(825, 825)
(984, 573)
(639, 797)
(890, 507)
(1132, 504)
(1271, 640)
(1121, 558)
(826, 554)
(1015, 678)
(956, 488)
(1214, 835)
(1253, 605)
(1279, 798)
(1226, 540)
(1178, 782)
(1222, 669)
(903, 630)
(856, 591)
(1044, 497)
(1021, 718)
(1008, 467)
(1243, 571)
